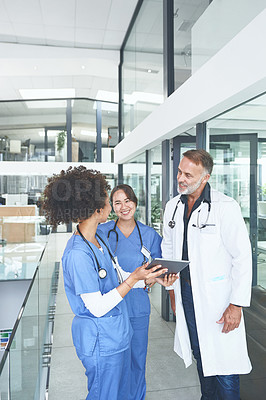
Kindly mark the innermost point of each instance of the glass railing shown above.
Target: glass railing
(25, 361)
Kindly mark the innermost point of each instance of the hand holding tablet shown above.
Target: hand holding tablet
(173, 266)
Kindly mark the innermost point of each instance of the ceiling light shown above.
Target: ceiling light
(46, 104)
(83, 67)
(107, 96)
(138, 69)
(88, 133)
(106, 106)
(93, 134)
(46, 93)
(49, 133)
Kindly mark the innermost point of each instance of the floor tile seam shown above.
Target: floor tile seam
(63, 313)
(62, 347)
(174, 388)
(162, 337)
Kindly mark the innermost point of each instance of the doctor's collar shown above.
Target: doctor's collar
(205, 196)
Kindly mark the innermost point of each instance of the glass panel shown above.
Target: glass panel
(22, 125)
(231, 172)
(4, 378)
(262, 213)
(31, 346)
(186, 15)
(109, 131)
(36, 130)
(135, 175)
(209, 34)
(143, 66)
(156, 189)
(83, 131)
(24, 352)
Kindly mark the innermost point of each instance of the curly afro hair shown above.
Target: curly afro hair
(74, 195)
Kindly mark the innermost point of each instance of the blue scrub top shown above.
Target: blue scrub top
(129, 257)
(113, 330)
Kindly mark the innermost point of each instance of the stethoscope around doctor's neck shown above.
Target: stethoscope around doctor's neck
(101, 271)
(116, 238)
(199, 225)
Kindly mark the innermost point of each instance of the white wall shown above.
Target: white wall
(234, 75)
(220, 22)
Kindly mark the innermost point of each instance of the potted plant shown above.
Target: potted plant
(60, 143)
(61, 137)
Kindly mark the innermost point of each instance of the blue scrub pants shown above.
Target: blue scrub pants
(108, 376)
(218, 387)
(139, 345)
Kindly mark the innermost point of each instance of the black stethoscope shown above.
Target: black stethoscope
(171, 223)
(101, 271)
(116, 239)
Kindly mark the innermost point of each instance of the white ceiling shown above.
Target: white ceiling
(61, 44)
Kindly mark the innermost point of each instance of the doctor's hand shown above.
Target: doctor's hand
(231, 318)
(141, 273)
(168, 280)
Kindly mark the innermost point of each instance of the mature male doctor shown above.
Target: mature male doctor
(205, 227)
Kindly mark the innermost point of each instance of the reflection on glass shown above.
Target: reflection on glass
(185, 17)
(208, 33)
(84, 131)
(156, 189)
(28, 129)
(39, 133)
(262, 212)
(29, 355)
(135, 175)
(143, 66)
(232, 171)
(236, 164)
(24, 353)
(4, 375)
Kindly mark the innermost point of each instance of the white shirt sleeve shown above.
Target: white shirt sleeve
(100, 304)
(125, 275)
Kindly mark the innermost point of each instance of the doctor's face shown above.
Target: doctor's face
(123, 206)
(191, 178)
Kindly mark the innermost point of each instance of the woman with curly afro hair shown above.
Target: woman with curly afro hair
(101, 330)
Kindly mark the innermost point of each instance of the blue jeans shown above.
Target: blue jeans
(218, 387)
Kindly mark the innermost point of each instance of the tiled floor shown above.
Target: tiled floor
(167, 378)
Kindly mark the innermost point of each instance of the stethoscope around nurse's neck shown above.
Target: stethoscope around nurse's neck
(199, 225)
(116, 239)
(101, 271)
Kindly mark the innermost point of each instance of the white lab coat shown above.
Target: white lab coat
(221, 273)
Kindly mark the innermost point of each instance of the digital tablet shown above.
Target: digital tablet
(174, 266)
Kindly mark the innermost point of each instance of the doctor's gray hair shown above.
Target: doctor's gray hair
(202, 157)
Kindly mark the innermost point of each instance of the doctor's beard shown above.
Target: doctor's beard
(189, 189)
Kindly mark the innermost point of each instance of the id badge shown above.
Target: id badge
(145, 252)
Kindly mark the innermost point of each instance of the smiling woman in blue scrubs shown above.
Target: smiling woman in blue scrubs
(101, 328)
(133, 243)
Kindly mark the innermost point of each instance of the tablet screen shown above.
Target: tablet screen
(174, 266)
